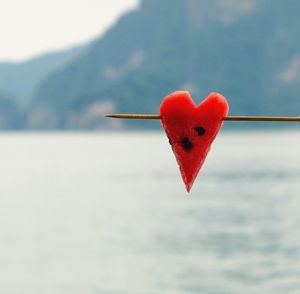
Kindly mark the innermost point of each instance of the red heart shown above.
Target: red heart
(191, 129)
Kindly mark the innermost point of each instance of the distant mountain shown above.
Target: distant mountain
(248, 50)
(10, 116)
(19, 79)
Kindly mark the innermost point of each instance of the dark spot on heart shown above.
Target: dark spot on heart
(170, 141)
(186, 144)
(200, 131)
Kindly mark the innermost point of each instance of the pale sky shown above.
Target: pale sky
(30, 27)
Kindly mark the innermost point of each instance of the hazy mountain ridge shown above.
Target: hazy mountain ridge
(247, 50)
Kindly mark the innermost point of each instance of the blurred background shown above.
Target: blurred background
(92, 205)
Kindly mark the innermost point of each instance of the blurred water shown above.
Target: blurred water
(108, 213)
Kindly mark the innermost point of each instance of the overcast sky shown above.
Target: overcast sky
(30, 27)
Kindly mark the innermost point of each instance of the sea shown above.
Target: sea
(107, 213)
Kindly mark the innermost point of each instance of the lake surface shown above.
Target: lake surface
(108, 213)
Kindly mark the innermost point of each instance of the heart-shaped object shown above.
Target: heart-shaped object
(191, 129)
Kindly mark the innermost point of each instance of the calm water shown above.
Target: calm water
(108, 213)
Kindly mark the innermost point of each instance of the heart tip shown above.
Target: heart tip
(188, 188)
